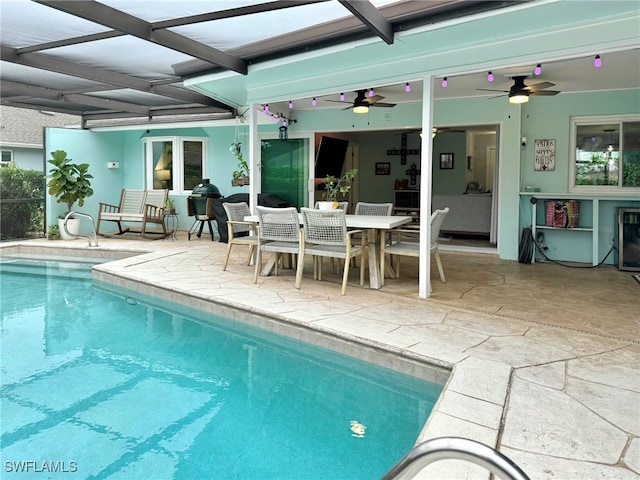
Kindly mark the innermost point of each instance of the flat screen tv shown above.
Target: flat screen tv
(330, 157)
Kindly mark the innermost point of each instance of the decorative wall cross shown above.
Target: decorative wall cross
(403, 151)
(413, 171)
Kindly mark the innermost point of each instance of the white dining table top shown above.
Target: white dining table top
(379, 222)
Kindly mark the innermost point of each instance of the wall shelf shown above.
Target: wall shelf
(589, 220)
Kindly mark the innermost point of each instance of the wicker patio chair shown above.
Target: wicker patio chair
(240, 232)
(279, 232)
(406, 243)
(326, 235)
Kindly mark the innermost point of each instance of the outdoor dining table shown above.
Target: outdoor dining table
(375, 225)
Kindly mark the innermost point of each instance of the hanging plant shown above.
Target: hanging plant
(241, 175)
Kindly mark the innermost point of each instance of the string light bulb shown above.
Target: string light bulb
(371, 92)
(597, 62)
(490, 77)
(407, 87)
(538, 70)
(266, 108)
(444, 82)
(314, 102)
(290, 105)
(342, 97)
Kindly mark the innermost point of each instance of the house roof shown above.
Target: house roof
(23, 127)
(125, 61)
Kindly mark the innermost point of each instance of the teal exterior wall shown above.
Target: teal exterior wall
(542, 117)
(530, 33)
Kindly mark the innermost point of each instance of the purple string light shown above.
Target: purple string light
(407, 87)
(597, 62)
(538, 69)
(444, 82)
(490, 77)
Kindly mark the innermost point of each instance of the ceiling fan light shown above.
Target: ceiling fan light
(518, 97)
(360, 109)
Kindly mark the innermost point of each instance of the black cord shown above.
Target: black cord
(530, 241)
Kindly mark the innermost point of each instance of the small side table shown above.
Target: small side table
(171, 225)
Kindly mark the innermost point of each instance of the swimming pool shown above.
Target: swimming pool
(114, 384)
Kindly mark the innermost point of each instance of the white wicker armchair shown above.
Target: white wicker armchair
(279, 232)
(326, 235)
(240, 232)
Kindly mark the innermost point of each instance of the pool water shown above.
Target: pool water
(97, 383)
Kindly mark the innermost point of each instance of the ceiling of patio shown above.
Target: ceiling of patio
(120, 62)
(124, 61)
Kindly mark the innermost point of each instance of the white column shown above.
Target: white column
(426, 182)
(255, 179)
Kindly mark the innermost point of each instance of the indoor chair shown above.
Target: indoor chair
(279, 232)
(326, 235)
(240, 231)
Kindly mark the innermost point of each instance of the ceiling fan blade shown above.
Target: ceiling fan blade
(491, 90)
(372, 100)
(545, 92)
(538, 86)
(378, 104)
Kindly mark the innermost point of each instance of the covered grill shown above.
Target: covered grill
(200, 206)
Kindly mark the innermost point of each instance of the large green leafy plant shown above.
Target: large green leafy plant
(68, 181)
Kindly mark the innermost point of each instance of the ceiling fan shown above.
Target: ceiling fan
(519, 92)
(362, 102)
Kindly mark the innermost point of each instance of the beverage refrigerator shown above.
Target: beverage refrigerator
(628, 246)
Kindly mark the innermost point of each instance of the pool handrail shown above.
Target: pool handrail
(93, 223)
(454, 448)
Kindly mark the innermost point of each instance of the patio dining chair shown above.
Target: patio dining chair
(326, 235)
(240, 231)
(406, 243)
(279, 232)
(364, 208)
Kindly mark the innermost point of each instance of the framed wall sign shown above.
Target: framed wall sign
(383, 168)
(446, 161)
(545, 155)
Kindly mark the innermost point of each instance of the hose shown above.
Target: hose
(526, 251)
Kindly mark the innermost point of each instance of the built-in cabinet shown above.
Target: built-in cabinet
(596, 228)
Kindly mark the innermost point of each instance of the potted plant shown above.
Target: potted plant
(241, 175)
(169, 206)
(336, 188)
(69, 183)
(53, 233)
